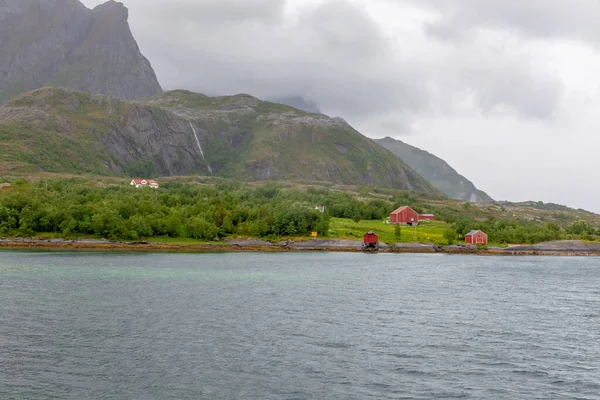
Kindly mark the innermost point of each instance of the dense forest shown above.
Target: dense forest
(176, 210)
(76, 207)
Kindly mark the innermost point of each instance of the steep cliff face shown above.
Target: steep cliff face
(55, 129)
(9, 7)
(435, 170)
(63, 43)
(252, 139)
(182, 133)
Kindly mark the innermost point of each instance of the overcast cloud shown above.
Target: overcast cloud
(506, 91)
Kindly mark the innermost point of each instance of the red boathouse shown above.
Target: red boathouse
(371, 242)
(426, 217)
(371, 238)
(476, 237)
(404, 215)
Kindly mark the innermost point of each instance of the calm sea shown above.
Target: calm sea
(298, 326)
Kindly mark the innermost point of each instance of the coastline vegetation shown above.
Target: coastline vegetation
(188, 212)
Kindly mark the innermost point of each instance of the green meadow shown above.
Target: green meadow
(425, 232)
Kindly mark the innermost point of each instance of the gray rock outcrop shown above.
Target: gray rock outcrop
(559, 246)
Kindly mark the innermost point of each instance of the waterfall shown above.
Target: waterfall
(200, 147)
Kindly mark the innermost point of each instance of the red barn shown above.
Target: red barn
(426, 217)
(476, 237)
(404, 215)
(371, 238)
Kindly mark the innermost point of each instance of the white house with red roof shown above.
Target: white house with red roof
(140, 183)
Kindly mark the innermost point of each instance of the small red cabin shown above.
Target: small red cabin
(371, 238)
(404, 215)
(476, 237)
(426, 217)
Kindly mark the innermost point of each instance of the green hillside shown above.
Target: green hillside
(182, 133)
(57, 130)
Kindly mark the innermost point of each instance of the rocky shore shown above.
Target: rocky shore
(558, 248)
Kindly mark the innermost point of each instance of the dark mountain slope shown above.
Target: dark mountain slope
(436, 171)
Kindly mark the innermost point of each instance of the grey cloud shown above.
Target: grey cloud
(334, 54)
(178, 12)
(527, 95)
(535, 18)
(501, 83)
(344, 30)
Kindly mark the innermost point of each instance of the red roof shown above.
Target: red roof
(474, 232)
(139, 181)
(400, 209)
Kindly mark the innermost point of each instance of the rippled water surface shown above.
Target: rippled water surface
(297, 326)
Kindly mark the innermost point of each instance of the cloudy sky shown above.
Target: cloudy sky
(506, 91)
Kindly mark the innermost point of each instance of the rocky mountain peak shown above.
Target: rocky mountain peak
(15, 7)
(113, 8)
(63, 43)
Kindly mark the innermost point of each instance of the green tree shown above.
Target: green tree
(200, 228)
(107, 223)
(322, 225)
(356, 215)
(450, 234)
(579, 227)
(227, 226)
(258, 228)
(140, 225)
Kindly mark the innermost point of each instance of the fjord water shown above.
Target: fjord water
(297, 326)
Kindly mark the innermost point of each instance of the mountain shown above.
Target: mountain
(182, 133)
(63, 43)
(435, 170)
(298, 102)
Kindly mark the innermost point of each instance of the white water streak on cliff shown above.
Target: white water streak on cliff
(200, 147)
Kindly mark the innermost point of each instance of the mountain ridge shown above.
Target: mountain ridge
(182, 133)
(435, 170)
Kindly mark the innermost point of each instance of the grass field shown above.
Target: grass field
(425, 232)
(341, 228)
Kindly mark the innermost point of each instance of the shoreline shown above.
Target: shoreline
(562, 248)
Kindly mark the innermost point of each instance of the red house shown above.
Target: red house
(426, 217)
(404, 215)
(476, 237)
